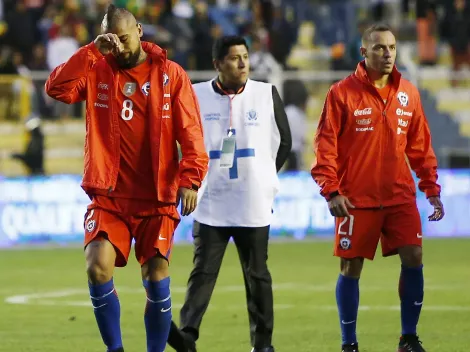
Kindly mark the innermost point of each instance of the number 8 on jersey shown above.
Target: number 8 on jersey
(127, 113)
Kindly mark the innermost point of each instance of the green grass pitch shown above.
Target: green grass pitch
(44, 304)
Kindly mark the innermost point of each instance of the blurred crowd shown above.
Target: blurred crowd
(38, 35)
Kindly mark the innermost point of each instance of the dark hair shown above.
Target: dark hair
(222, 45)
(114, 14)
(110, 13)
(375, 28)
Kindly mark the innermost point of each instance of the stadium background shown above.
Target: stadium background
(301, 46)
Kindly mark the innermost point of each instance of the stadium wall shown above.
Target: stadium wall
(50, 210)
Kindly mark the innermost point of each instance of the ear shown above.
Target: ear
(363, 52)
(140, 30)
(216, 65)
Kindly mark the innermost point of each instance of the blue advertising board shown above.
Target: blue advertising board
(51, 209)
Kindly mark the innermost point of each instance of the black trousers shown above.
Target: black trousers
(252, 245)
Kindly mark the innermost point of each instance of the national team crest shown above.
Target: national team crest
(146, 88)
(90, 226)
(402, 98)
(252, 115)
(166, 79)
(345, 243)
(129, 89)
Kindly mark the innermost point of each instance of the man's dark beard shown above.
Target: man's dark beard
(130, 62)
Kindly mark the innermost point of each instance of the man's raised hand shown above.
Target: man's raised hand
(108, 43)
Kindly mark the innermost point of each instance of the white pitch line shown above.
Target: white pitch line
(330, 287)
(47, 298)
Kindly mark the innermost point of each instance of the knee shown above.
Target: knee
(411, 256)
(155, 269)
(352, 267)
(100, 257)
(98, 272)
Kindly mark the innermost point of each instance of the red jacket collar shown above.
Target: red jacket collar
(361, 74)
(154, 50)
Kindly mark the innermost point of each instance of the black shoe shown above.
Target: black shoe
(180, 340)
(410, 343)
(121, 349)
(190, 344)
(350, 348)
(265, 349)
(189, 341)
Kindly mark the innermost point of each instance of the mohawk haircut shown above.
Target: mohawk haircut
(113, 14)
(381, 27)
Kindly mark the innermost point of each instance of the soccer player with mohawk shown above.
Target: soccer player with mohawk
(139, 105)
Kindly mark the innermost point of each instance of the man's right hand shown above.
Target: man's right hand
(108, 44)
(339, 206)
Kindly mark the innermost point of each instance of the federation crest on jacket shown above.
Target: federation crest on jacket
(146, 88)
(402, 98)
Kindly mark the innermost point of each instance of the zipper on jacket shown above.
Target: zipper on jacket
(384, 118)
(384, 134)
(115, 126)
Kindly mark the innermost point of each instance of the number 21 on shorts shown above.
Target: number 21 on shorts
(345, 227)
(127, 113)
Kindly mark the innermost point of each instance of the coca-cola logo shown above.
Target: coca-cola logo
(366, 111)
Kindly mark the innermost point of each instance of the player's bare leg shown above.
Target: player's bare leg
(156, 280)
(411, 292)
(347, 299)
(100, 258)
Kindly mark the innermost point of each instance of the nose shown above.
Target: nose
(387, 53)
(241, 63)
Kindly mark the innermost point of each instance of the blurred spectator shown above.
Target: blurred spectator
(7, 66)
(388, 11)
(283, 34)
(353, 50)
(296, 98)
(426, 28)
(45, 24)
(178, 24)
(39, 63)
(262, 62)
(21, 31)
(455, 29)
(39, 59)
(33, 156)
(203, 26)
(61, 48)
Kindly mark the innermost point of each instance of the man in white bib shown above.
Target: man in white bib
(248, 139)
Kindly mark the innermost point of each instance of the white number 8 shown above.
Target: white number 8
(351, 226)
(127, 113)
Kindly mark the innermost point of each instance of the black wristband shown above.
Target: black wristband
(333, 194)
(194, 187)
